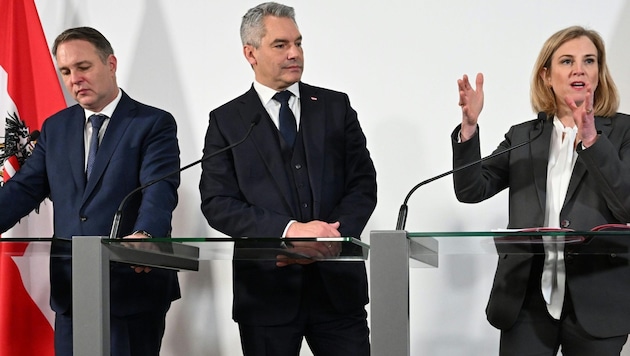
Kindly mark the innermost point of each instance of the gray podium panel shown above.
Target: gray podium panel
(92, 255)
(393, 254)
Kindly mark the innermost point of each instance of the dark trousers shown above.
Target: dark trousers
(136, 335)
(536, 333)
(327, 332)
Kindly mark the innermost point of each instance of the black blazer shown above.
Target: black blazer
(598, 193)
(245, 192)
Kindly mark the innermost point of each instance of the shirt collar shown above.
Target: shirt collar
(108, 110)
(560, 128)
(266, 94)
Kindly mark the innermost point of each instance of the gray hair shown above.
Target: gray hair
(252, 27)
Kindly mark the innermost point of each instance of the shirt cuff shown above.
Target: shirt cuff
(284, 233)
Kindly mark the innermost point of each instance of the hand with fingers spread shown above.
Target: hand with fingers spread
(584, 116)
(471, 102)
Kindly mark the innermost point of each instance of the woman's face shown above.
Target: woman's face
(573, 64)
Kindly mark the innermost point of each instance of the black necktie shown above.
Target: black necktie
(288, 127)
(97, 121)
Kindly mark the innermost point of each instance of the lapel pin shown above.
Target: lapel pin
(313, 98)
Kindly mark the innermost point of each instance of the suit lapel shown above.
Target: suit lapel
(540, 158)
(121, 118)
(75, 138)
(265, 139)
(313, 127)
(603, 125)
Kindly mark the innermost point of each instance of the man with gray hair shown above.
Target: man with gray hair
(305, 171)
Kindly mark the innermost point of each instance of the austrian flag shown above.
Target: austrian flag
(29, 93)
(18, 142)
(10, 166)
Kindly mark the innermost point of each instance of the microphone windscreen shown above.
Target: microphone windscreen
(34, 135)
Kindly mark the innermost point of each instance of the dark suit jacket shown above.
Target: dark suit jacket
(140, 144)
(245, 192)
(598, 193)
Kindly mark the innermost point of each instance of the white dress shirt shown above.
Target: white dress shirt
(273, 107)
(562, 158)
(108, 111)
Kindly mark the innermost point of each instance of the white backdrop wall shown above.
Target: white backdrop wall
(399, 61)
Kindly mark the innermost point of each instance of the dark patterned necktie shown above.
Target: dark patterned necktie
(288, 127)
(97, 121)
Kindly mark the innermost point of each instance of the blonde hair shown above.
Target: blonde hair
(606, 98)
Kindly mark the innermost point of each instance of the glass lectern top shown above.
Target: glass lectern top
(248, 248)
(526, 241)
(200, 249)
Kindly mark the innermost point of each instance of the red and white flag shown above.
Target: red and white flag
(29, 93)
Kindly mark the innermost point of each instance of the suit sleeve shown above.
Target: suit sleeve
(358, 198)
(26, 189)
(160, 156)
(223, 202)
(608, 162)
(480, 181)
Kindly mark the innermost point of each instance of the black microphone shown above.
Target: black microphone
(115, 224)
(33, 136)
(402, 214)
(30, 144)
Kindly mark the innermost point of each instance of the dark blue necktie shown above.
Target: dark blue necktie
(288, 127)
(97, 121)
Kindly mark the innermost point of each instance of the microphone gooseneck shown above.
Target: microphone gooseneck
(116, 223)
(402, 214)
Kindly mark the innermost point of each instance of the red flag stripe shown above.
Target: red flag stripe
(33, 87)
(25, 56)
(9, 168)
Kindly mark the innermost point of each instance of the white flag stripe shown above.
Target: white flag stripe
(33, 267)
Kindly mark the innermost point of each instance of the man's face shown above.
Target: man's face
(279, 60)
(91, 82)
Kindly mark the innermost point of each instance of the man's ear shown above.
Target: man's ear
(250, 54)
(112, 62)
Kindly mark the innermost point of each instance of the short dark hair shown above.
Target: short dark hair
(103, 47)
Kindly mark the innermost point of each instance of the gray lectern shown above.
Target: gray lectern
(393, 253)
(92, 255)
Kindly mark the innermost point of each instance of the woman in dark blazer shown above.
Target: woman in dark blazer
(574, 174)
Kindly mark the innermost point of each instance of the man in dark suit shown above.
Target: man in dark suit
(138, 143)
(318, 181)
